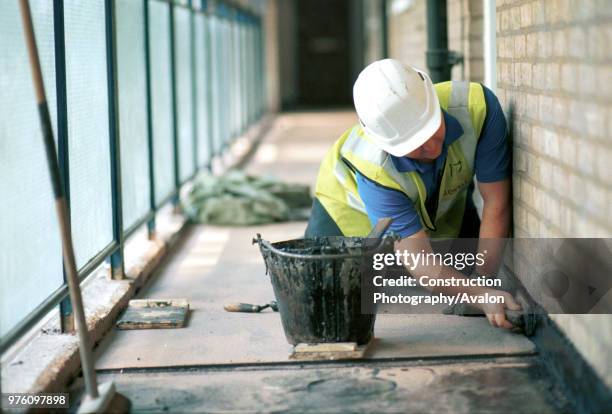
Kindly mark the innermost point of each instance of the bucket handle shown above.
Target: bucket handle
(259, 241)
(264, 244)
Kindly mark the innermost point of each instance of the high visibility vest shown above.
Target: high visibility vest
(354, 152)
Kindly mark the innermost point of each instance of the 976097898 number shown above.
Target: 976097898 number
(41, 400)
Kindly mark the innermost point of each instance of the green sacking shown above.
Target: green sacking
(240, 199)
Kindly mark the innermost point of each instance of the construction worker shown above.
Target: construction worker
(413, 157)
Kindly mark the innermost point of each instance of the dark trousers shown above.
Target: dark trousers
(320, 223)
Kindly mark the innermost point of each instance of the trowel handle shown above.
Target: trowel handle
(244, 307)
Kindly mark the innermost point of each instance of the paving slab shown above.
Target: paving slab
(504, 385)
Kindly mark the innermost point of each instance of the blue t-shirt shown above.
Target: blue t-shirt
(491, 163)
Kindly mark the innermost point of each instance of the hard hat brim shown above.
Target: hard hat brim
(414, 141)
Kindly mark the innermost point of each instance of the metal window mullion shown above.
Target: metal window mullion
(235, 75)
(244, 51)
(236, 33)
(237, 72)
(223, 76)
(240, 72)
(245, 35)
(254, 73)
(65, 306)
(194, 114)
(226, 86)
(208, 85)
(245, 75)
(257, 72)
(252, 59)
(212, 26)
(219, 82)
(116, 259)
(262, 67)
(229, 70)
(150, 147)
(177, 179)
(231, 76)
(200, 81)
(228, 82)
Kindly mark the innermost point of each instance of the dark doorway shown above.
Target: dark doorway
(324, 52)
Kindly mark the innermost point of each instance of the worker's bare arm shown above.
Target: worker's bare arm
(495, 312)
(495, 223)
(496, 209)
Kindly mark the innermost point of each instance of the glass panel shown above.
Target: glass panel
(131, 78)
(161, 99)
(88, 127)
(202, 121)
(184, 98)
(30, 248)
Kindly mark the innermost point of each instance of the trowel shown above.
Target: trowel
(250, 308)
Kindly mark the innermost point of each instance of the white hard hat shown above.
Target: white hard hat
(397, 106)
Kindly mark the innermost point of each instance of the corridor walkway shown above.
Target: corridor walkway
(239, 362)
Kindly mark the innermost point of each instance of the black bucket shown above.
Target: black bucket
(317, 283)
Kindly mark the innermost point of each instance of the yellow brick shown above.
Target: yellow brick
(526, 15)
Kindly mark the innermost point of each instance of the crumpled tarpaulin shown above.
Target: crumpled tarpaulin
(239, 199)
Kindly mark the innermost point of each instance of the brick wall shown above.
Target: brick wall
(553, 70)
(555, 83)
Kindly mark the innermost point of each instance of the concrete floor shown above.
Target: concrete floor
(239, 362)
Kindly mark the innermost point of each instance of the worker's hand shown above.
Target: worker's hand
(495, 311)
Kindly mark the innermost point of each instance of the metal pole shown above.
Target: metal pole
(150, 145)
(116, 259)
(209, 94)
(65, 307)
(384, 29)
(175, 142)
(194, 90)
(437, 41)
(60, 205)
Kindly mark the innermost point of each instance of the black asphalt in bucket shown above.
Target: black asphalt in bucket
(317, 283)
